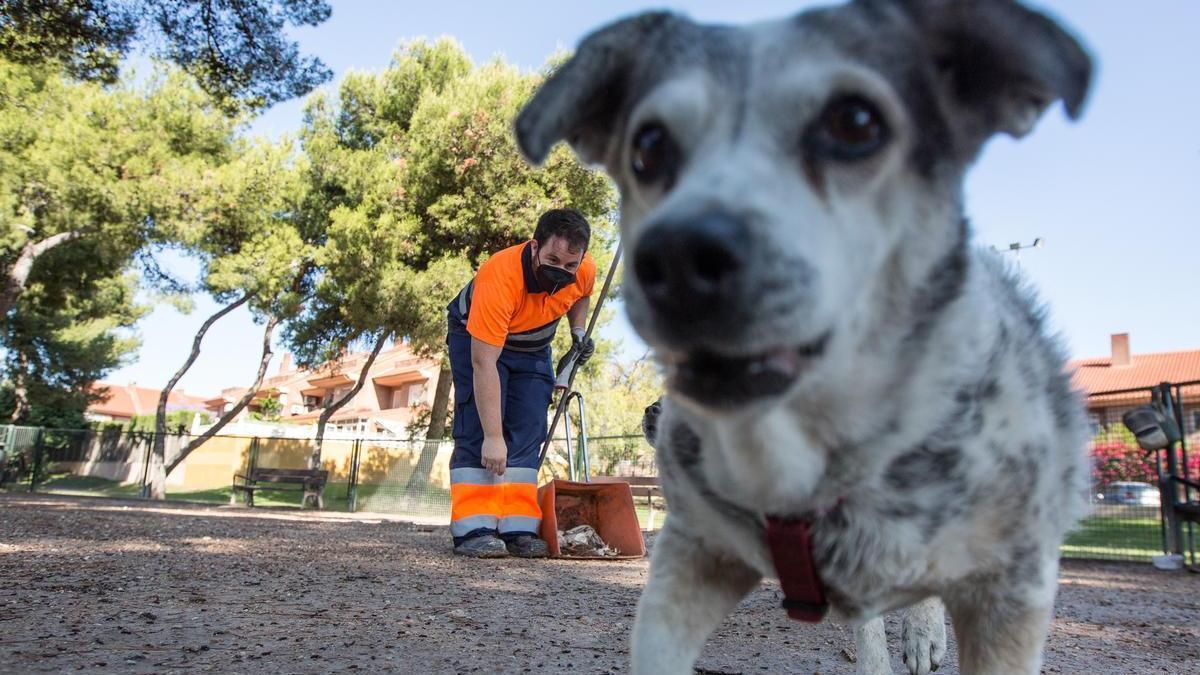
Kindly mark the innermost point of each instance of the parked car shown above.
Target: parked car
(1130, 493)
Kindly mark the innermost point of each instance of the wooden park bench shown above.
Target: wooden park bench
(648, 487)
(309, 481)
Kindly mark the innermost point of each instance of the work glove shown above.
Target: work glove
(581, 347)
(650, 421)
(586, 346)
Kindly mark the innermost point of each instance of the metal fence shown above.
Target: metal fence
(381, 475)
(1125, 521)
(387, 475)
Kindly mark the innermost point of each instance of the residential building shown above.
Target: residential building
(1123, 370)
(398, 385)
(122, 402)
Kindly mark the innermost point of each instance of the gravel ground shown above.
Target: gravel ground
(112, 586)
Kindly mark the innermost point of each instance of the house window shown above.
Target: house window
(399, 397)
(1195, 420)
(311, 403)
(404, 396)
(1095, 421)
(336, 395)
(352, 426)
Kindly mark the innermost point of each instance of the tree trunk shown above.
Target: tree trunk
(155, 485)
(20, 393)
(158, 480)
(160, 418)
(14, 285)
(314, 462)
(419, 477)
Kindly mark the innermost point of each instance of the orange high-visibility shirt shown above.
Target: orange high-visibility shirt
(506, 307)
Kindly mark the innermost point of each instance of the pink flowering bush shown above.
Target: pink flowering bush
(1115, 460)
(1116, 457)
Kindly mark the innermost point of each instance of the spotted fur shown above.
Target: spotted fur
(933, 438)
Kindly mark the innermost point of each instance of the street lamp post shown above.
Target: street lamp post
(1016, 247)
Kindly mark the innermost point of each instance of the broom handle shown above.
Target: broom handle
(565, 396)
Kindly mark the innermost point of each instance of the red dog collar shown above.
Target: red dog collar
(791, 550)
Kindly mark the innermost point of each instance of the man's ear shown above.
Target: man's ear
(581, 101)
(999, 64)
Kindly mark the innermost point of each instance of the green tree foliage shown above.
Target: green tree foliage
(421, 180)
(269, 408)
(85, 162)
(87, 178)
(60, 339)
(468, 187)
(238, 50)
(241, 219)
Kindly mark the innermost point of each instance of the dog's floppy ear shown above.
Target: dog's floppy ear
(1000, 63)
(581, 100)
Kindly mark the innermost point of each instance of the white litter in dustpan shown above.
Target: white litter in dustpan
(583, 542)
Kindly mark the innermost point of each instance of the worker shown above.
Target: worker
(500, 328)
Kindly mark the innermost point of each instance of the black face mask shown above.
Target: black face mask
(553, 279)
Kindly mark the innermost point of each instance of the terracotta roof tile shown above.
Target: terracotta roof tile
(1094, 376)
(128, 400)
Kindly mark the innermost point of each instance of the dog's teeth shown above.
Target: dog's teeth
(783, 360)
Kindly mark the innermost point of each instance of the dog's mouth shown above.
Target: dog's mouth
(727, 382)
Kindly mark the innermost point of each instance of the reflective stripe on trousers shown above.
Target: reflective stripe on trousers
(506, 504)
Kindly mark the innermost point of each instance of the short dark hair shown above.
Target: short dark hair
(566, 223)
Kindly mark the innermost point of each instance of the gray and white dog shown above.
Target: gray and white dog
(835, 348)
(923, 627)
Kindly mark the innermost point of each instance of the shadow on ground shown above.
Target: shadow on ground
(106, 585)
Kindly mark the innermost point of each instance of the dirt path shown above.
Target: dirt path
(110, 586)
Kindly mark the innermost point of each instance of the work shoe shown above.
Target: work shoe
(527, 546)
(485, 546)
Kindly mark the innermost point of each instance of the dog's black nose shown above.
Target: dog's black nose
(691, 269)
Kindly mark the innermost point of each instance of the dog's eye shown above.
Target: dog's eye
(655, 154)
(849, 128)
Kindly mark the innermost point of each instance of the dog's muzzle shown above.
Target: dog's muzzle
(697, 280)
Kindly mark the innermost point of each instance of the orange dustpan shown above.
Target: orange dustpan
(605, 504)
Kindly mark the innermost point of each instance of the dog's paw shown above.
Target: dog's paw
(872, 649)
(650, 421)
(923, 636)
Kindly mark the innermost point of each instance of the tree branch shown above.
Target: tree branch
(19, 274)
(315, 460)
(272, 322)
(52, 241)
(160, 418)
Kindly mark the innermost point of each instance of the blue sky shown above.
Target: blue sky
(1114, 196)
